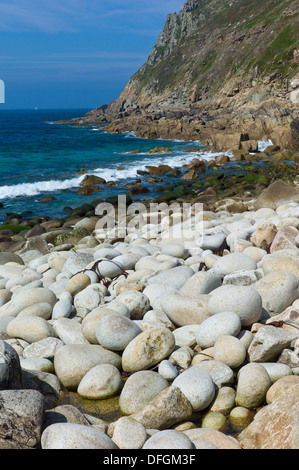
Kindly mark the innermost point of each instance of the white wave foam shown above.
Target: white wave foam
(263, 144)
(109, 174)
(33, 189)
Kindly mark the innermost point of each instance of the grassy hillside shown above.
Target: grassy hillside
(222, 39)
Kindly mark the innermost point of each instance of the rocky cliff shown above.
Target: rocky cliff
(225, 72)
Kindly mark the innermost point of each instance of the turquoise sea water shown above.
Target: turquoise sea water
(39, 158)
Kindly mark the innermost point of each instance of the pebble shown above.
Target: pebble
(148, 349)
(182, 357)
(129, 433)
(26, 298)
(276, 371)
(168, 439)
(41, 309)
(220, 373)
(68, 331)
(175, 277)
(230, 351)
(278, 291)
(37, 364)
(77, 283)
(136, 302)
(211, 242)
(5, 296)
(62, 309)
(197, 385)
(4, 321)
(240, 418)
(253, 385)
(224, 401)
(73, 361)
(233, 262)
(110, 269)
(128, 260)
(87, 300)
(76, 262)
(108, 253)
(30, 328)
(214, 420)
(90, 321)
(175, 249)
(100, 382)
(46, 348)
(213, 436)
(75, 436)
(268, 342)
(139, 389)
(282, 386)
(186, 335)
(200, 283)
(245, 301)
(224, 323)
(183, 311)
(168, 370)
(115, 331)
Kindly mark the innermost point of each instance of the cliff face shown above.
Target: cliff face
(219, 69)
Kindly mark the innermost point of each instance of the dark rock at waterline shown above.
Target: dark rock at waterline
(92, 180)
(138, 189)
(87, 190)
(47, 199)
(81, 211)
(113, 200)
(162, 169)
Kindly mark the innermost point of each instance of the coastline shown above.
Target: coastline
(149, 247)
(177, 294)
(64, 281)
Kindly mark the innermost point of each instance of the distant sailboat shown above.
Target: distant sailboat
(35, 109)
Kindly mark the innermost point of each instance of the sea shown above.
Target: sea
(40, 158)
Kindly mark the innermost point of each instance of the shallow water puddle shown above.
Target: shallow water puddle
(107, 410)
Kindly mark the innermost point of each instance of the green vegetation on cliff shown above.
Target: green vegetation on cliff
(211, 41)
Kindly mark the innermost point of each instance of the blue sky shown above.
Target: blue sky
(75, 53)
